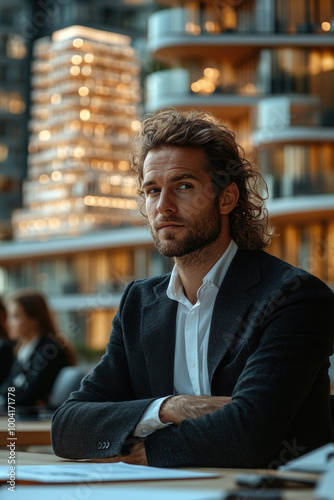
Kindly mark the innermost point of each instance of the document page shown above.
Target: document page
(317, 461)
(103, 492)
(96, 472)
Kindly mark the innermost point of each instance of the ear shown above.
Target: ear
(228, 198)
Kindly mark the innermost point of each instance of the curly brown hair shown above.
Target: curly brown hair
(226, 163)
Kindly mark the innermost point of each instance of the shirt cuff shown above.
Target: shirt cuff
(150, 421)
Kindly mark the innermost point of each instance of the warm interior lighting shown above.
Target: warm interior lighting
(325, 26)
(83, 91)
(212, 27)
(16, 47)
(77, 43)
(249, 89)
(135, 125)
(327, 61)
(3, 152)
(55, 99)
(43, 179)
(16, 106)
(44, 135)
(193, 28)
(84, 114)
(56, 176)
(207, 84)
(108, 165)
(86, 70)
(76, 59)
(54, 222)
(315, 63)
(89, 58)
(123, 165)
(75, 70)
(79, 152)
(39, 224)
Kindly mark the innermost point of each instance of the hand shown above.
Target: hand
(136, 457)
(177, 408)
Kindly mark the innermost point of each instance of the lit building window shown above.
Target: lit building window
(3, 152)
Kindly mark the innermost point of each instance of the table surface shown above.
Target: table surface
(225, 480)
(27, 432)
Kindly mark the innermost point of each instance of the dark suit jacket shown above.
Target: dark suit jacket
(38, 373)
(270, 339)
(6, 358)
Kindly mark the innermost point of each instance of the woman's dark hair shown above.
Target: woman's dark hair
(35, 306)
(226, 163)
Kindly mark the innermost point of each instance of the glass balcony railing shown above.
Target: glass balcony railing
(222, 18)
(164, 87)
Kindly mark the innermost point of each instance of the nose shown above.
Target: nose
(166, 203)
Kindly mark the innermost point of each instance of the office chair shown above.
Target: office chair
(68, 380)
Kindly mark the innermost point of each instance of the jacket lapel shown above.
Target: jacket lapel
(158, 338)
(233, 300)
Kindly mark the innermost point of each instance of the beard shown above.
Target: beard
(204, 230)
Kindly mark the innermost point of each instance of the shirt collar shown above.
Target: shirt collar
(215, 276)
(26, 350)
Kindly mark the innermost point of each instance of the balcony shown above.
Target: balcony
(174, 88)
(292, 209)
(283, 120)
(186, 32)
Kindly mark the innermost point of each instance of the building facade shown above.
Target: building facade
(84, 98)
(267, 68)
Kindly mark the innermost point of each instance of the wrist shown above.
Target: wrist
(165, 414)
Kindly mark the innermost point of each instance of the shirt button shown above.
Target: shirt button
(146, 430)
(193, 363)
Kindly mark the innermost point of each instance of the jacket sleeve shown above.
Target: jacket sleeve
(6, 359)
(98, 420)
(281, 374)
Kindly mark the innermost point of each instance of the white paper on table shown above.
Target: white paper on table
(96, 472)
(317, 461)
(103, 492)
(325, 486)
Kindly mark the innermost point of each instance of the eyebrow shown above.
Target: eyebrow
(175, 178)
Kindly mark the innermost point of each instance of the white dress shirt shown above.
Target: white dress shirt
(192, 338)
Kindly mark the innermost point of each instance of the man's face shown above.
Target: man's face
(181, 205)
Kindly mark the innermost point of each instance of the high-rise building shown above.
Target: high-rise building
(267, 68)
(14, 103)
(85, 103)
(85, 92)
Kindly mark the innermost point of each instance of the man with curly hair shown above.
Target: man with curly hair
(223, 362)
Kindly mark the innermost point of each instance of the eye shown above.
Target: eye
(153, 190)
(185, 186)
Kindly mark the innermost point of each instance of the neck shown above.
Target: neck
(29, 338)
(193, 267)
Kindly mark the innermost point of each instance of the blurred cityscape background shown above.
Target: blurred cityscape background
(76, 77)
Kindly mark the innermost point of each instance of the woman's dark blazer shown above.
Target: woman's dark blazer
(37, 374)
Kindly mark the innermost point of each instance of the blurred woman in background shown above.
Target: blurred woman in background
(41, 352)
(6, 347)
